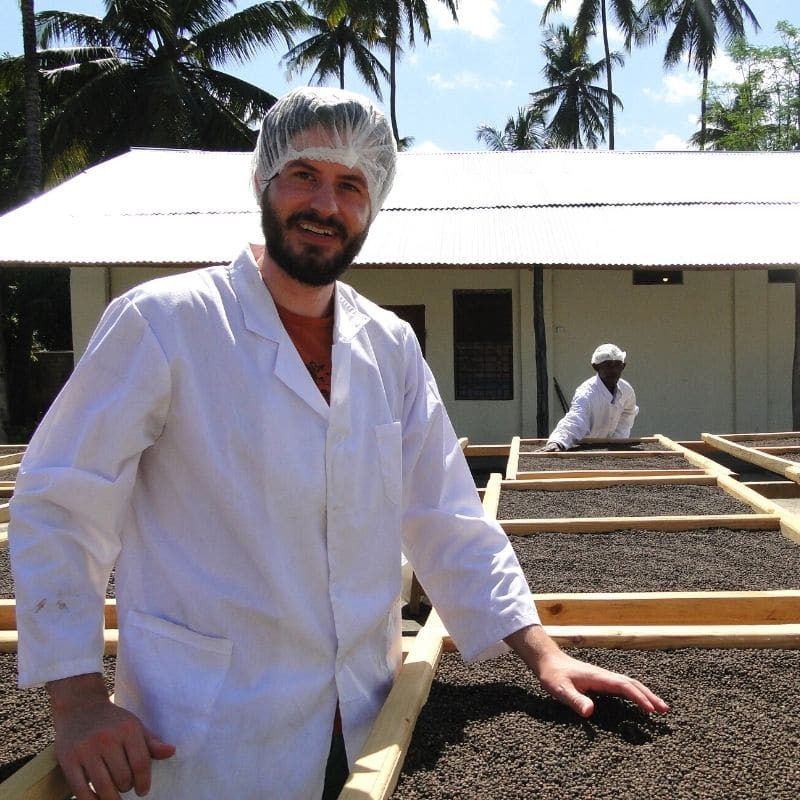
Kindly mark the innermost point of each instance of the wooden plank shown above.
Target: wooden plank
(375, 772)
(772, 463)
(782, 490)
(4, 513)
(660, 637)
(560, 484)
(741, 437)
(479, 450)
(605, 473)
(747, 495)
(40, 779)
(8, 641)
(670, 608)
(513, 458)
(8, 617)
(604, 455)
(491, 495)
(693, 456)
(525, 527)
(10, 459)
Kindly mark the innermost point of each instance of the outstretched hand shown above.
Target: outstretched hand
(99, 743)
(569, 679)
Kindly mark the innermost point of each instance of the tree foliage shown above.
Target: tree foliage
(762, 110)
(580, 108)
(340, 31)
(525, 131)
(148, 74)
(695, 27)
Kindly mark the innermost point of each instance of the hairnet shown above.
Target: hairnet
(608, 352)
(353, 132)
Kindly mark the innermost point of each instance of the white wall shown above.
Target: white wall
(711, 355)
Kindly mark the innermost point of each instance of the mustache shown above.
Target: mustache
(317, 219)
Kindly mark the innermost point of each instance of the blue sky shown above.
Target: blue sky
(481, 71)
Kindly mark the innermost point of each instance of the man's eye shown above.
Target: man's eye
(353, 187)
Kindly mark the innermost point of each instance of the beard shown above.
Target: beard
(308, 265)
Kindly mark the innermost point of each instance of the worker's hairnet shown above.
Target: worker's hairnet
(323, 124)
(608, 352)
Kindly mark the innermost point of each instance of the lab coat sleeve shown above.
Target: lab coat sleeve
(575, 424)
(462, 558)
(628, 416)
(73, 492)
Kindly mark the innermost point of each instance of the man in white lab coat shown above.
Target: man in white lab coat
(251, 447)
(603, 406)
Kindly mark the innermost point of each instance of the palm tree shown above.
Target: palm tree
(147, 74)
(33, 101)
(399, 19)
(340, 31)
(523, 132)
(581, 108)
(585, 25)
(696, 25)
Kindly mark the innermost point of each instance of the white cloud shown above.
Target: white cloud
(467, 80)
(675, 90)
(425, 147)
(671, 141)
(569, 9)
(723, 69)
(479, 18)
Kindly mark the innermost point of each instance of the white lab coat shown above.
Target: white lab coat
(256, 531)
(597, 414)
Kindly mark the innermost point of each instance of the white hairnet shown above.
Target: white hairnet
(354, 133)
(608, 352)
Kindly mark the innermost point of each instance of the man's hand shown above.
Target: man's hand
(550, 447)
(100, 743)
(568, 679)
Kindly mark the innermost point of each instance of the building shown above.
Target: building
(686, 260)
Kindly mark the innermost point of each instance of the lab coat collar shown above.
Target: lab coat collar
(261, 318)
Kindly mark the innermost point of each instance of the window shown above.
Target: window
(782, 276)
(415, 317)
(483, 344)
(656, 277)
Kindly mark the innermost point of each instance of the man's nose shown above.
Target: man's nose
(323, 199)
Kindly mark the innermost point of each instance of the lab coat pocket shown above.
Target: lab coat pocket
(390, 455)
(170, 677)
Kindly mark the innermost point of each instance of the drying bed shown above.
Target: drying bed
(630, 500)
(711, 559)
(733, 730)
(546, 463)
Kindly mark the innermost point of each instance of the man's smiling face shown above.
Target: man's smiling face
(315, 217)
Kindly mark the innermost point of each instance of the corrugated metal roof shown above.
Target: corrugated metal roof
(558, 208)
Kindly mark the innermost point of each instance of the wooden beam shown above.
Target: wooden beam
(605, 473)
(513, 459)
(9, 640)
(670, 608)
(491, 494)
(562, 484)
(747, 495)
(480, 450)
(40, 779)
(525, 527)
(771, 463)
(743, 437)
(375, 772)
(781, 490)
(8, 614)
(661, 637)
(693, 456)
(4, 513)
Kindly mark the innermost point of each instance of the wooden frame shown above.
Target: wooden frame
(767, 460)
(642, 620)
